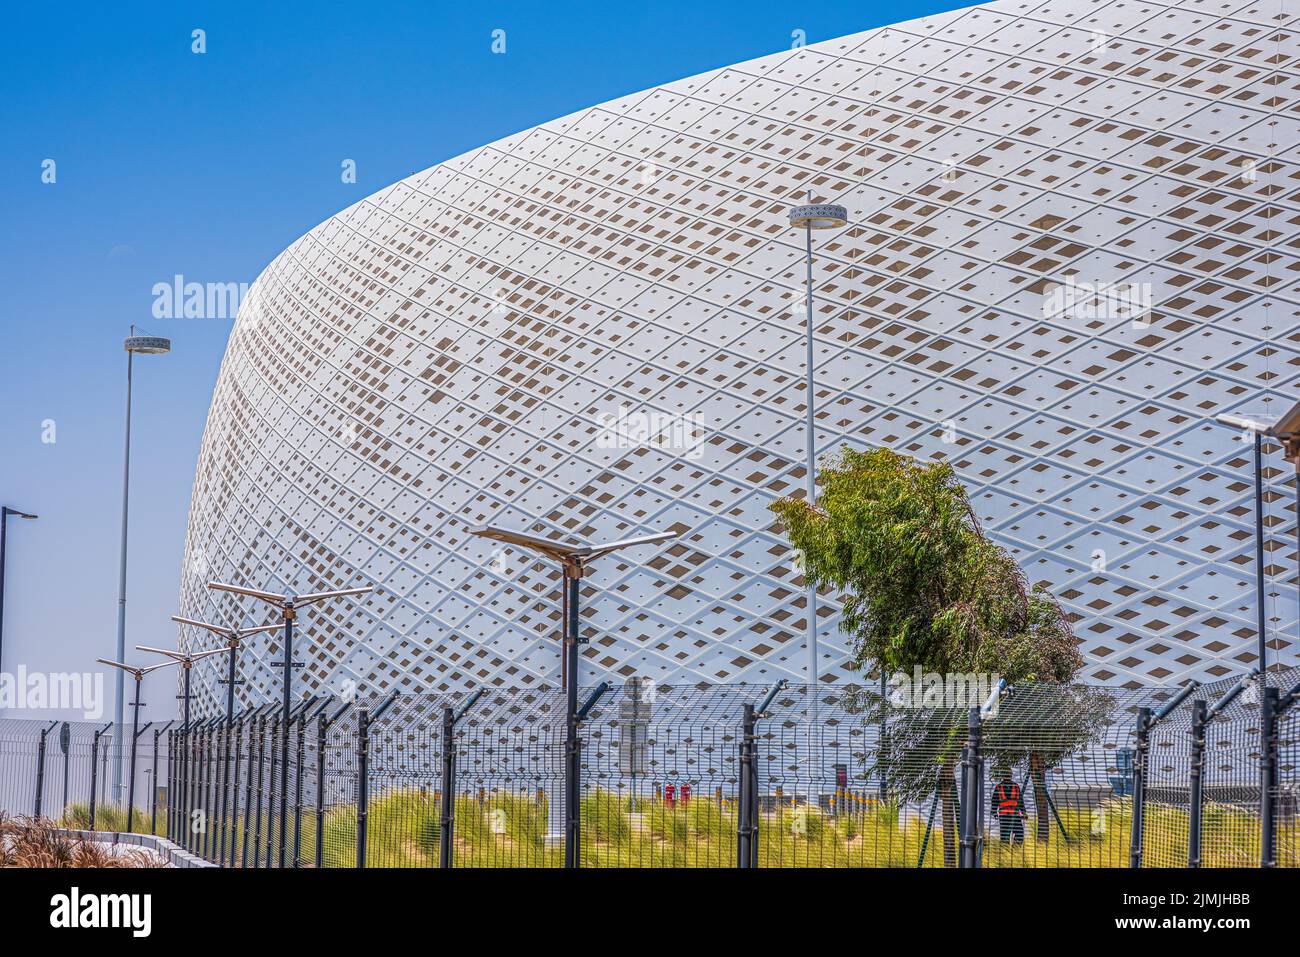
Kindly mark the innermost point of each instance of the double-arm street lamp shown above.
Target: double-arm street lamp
(137, 672)
(186, 660)
(5, 512)
(288, 604)
(234, 637)
(1286, 430)
(575, 559)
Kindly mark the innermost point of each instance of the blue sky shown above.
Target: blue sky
(208, 165)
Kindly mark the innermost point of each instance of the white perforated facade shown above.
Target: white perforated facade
(487, 339)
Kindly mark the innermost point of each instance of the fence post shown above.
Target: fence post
(175, 799)
(94, 770)
(231, 794)
(272, 794)
(171, 782)
(365, 719)
(1137, 823)
(40, 768)
(205, 772)
(573, 769)
(201, 782)
(1268, 777)
(214, 821)
(130, 795)
(297, 790)
(745, 825)
(248, 797)
(261, 760)
(883, 755)
(182, 776)
(363, 789)
(447, 825)
(322, 729)
(971, 798)
(192, 785)
(1196, 784)
(448, 821)
(223, 814)
(572, 789)
(323, 724)
(153, 781)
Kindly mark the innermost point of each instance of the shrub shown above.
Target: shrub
(40, 842)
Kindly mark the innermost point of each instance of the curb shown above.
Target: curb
(171, 852)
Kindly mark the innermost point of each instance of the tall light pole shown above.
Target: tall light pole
(138, 674)
(809, 217)
(1286, 430)
(5, 512)
(145, 346)
(288, 604)
(574, 559)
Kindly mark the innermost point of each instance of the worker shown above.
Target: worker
(1007, 805)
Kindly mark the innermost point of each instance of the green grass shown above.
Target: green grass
(504, 829)
(110, 817)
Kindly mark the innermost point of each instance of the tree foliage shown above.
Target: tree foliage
(921, 583)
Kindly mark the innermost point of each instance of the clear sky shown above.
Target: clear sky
(170, 162)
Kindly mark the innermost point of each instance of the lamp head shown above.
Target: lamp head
(819, 216)
(148, 345)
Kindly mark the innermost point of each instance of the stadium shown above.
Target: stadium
(1071, 243)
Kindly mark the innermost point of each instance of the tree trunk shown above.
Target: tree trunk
(1043, 814)
(948, 798)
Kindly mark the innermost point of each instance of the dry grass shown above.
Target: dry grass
(38, 842)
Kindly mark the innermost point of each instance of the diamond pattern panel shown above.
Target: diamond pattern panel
(1074, 241)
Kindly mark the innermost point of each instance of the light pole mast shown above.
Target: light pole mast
(1285, 429)
(5, 512)
(812, 216)
(147, 346)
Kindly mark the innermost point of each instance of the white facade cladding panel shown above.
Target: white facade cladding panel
(1073, 241)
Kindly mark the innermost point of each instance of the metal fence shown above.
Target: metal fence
(723, 776)
(63, 770)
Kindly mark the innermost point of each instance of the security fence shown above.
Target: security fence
(64, 770)
(723, 776)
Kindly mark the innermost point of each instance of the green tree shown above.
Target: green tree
(922, 585)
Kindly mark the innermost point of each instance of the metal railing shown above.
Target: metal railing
(1040, 775)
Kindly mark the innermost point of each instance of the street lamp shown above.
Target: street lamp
(574, 559)
(138, 673)
(1286, 430)
(145, 346)
(186, 660)
(5, 512)
(234, 638)
(813, 216)
(288, 605)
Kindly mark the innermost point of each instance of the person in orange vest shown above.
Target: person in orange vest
(1007, 806)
